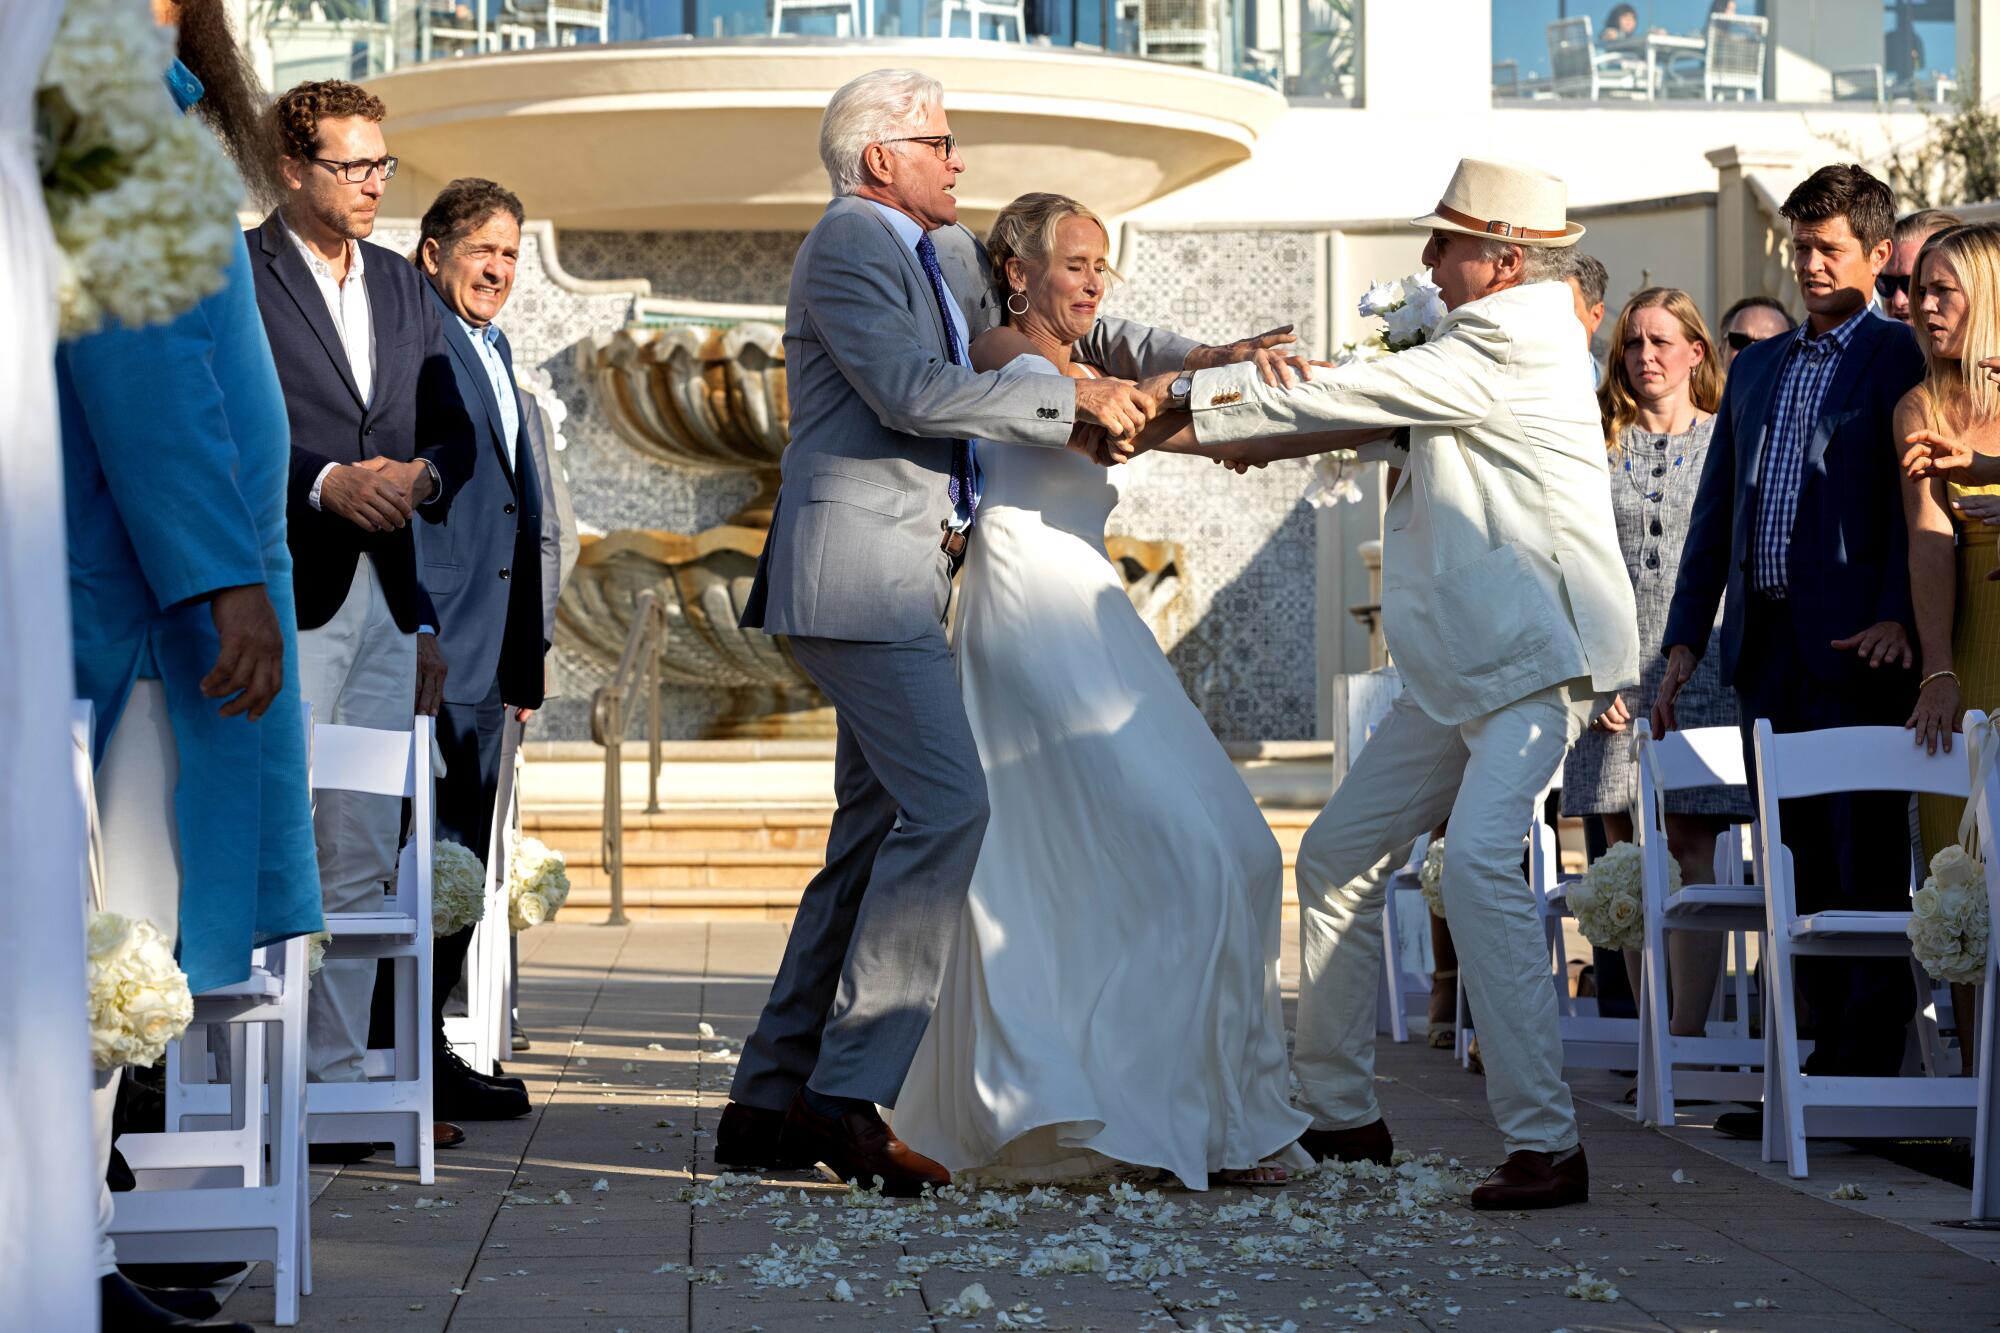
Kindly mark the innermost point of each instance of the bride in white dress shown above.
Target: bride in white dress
(1112, 997)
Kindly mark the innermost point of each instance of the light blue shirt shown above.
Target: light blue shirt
(486, 342)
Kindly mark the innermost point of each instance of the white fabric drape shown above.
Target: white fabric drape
(48, 1180)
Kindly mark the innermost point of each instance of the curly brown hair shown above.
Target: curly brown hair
(296, 115)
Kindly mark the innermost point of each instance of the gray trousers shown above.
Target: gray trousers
(874, 928)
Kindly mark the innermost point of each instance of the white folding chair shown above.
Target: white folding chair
(393, 1104)
(1799, 1105)
(1982, 740)
(231, 1184)
(1731, 1060)
(480, 1035)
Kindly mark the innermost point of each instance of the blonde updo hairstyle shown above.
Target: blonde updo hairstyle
(1026, 230)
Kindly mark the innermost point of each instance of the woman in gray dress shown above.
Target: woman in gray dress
(1659, 398)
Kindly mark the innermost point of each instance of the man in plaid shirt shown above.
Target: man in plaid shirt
(1799, 520)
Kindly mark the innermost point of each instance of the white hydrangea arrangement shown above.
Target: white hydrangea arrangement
(1949, 918)
(1410, 309)
(139, 998)
(141, 198)
(1608, 902)
(1430, 877)
(458, 888)
(537, 884)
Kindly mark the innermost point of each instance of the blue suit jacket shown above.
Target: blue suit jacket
(414, 411)
(1848, 564)
(174, 463)
(482, 565)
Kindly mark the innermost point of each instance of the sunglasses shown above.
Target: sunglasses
(1889, 284)
(1739, 340)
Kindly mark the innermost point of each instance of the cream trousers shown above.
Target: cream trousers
(1486, 775)
(140, 842)
(356, 670)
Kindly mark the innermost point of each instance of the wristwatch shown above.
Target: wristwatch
(1179, 392)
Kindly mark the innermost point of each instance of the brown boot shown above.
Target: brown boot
(859, 1148)
(1529, 1179)
(1364, 1143)
(753, 1137)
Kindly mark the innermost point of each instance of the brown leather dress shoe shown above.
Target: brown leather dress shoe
(444, 1134)
(753, 1137)
(1529, 1179)
(1363, 1143)
(858, 1147)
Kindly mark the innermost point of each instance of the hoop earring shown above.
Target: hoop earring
(1020, 296)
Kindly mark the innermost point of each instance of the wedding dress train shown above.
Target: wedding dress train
(1112, 996)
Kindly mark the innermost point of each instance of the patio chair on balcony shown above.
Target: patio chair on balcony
(1578, 69)
(846, 14)
(1182, 32)
(1506, 78)
(1858, 83)
(1001, 12)
(1732, 66)
(557, 22)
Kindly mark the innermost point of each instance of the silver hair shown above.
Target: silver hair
(1538, 263)
(872, 108)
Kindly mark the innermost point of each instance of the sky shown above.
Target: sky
(1520, 27)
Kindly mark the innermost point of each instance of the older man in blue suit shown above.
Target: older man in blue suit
(483, 565)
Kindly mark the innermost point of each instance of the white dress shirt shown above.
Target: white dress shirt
(486, 342)
(347, 304)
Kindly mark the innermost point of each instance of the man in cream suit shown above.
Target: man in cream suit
(1506, 608)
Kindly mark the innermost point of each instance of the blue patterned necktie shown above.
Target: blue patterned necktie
(964, 467)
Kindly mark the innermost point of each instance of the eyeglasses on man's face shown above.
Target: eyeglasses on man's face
(944, 145)
(1738, 340)
(360, 169)
(1888, 284)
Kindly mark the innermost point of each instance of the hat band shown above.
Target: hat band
(1505, 230)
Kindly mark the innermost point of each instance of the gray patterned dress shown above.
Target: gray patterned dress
(1653, 484)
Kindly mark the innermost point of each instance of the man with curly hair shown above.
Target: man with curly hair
(380, 437)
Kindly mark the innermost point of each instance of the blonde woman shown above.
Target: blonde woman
(1112, 997)
(1950, 424)
(1658, 402)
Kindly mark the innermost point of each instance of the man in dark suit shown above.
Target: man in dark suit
(380, 435)
(484, 564)
(1799, 517)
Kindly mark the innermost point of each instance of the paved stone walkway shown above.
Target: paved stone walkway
(603, 1211)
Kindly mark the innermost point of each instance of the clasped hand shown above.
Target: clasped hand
(376, 494)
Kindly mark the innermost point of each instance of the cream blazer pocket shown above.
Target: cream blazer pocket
(1496, 611)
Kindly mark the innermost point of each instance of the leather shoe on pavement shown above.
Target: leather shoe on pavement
(751, 1136)
(1529, 1179)
(1741, 1124)
(466, 1096)
(444, 1134)
(450, 1064)
(181, 1275)
(188, 1304)
(1363, 1143)
(339, 1154)
(859, 1148)
(125, 1309)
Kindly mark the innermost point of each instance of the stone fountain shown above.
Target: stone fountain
(709, 393)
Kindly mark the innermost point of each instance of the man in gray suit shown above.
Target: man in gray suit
(879, 499)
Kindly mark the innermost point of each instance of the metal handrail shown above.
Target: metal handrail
(607, 728)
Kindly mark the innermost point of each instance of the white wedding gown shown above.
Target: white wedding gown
(1112, 995)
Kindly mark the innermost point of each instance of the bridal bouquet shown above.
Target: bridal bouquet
(141, 198)
(1949, 926)
(1608, 901)
(458, 889)
(537, 884)
(1430, 878)
(1410, 310)
(139, 997)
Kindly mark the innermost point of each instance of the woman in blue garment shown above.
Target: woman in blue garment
(175, 453)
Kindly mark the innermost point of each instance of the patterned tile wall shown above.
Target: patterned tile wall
(1247, 656)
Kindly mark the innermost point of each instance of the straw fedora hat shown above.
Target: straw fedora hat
(1504, 201)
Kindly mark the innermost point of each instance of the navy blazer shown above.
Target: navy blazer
(482, 564)
(1848, 564)
(414, 411)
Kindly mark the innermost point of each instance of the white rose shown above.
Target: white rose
(1951, 866)
(1927, 903)
(1381, 298)
(1406, 326)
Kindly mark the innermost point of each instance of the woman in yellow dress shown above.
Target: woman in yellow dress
(1950, 424)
